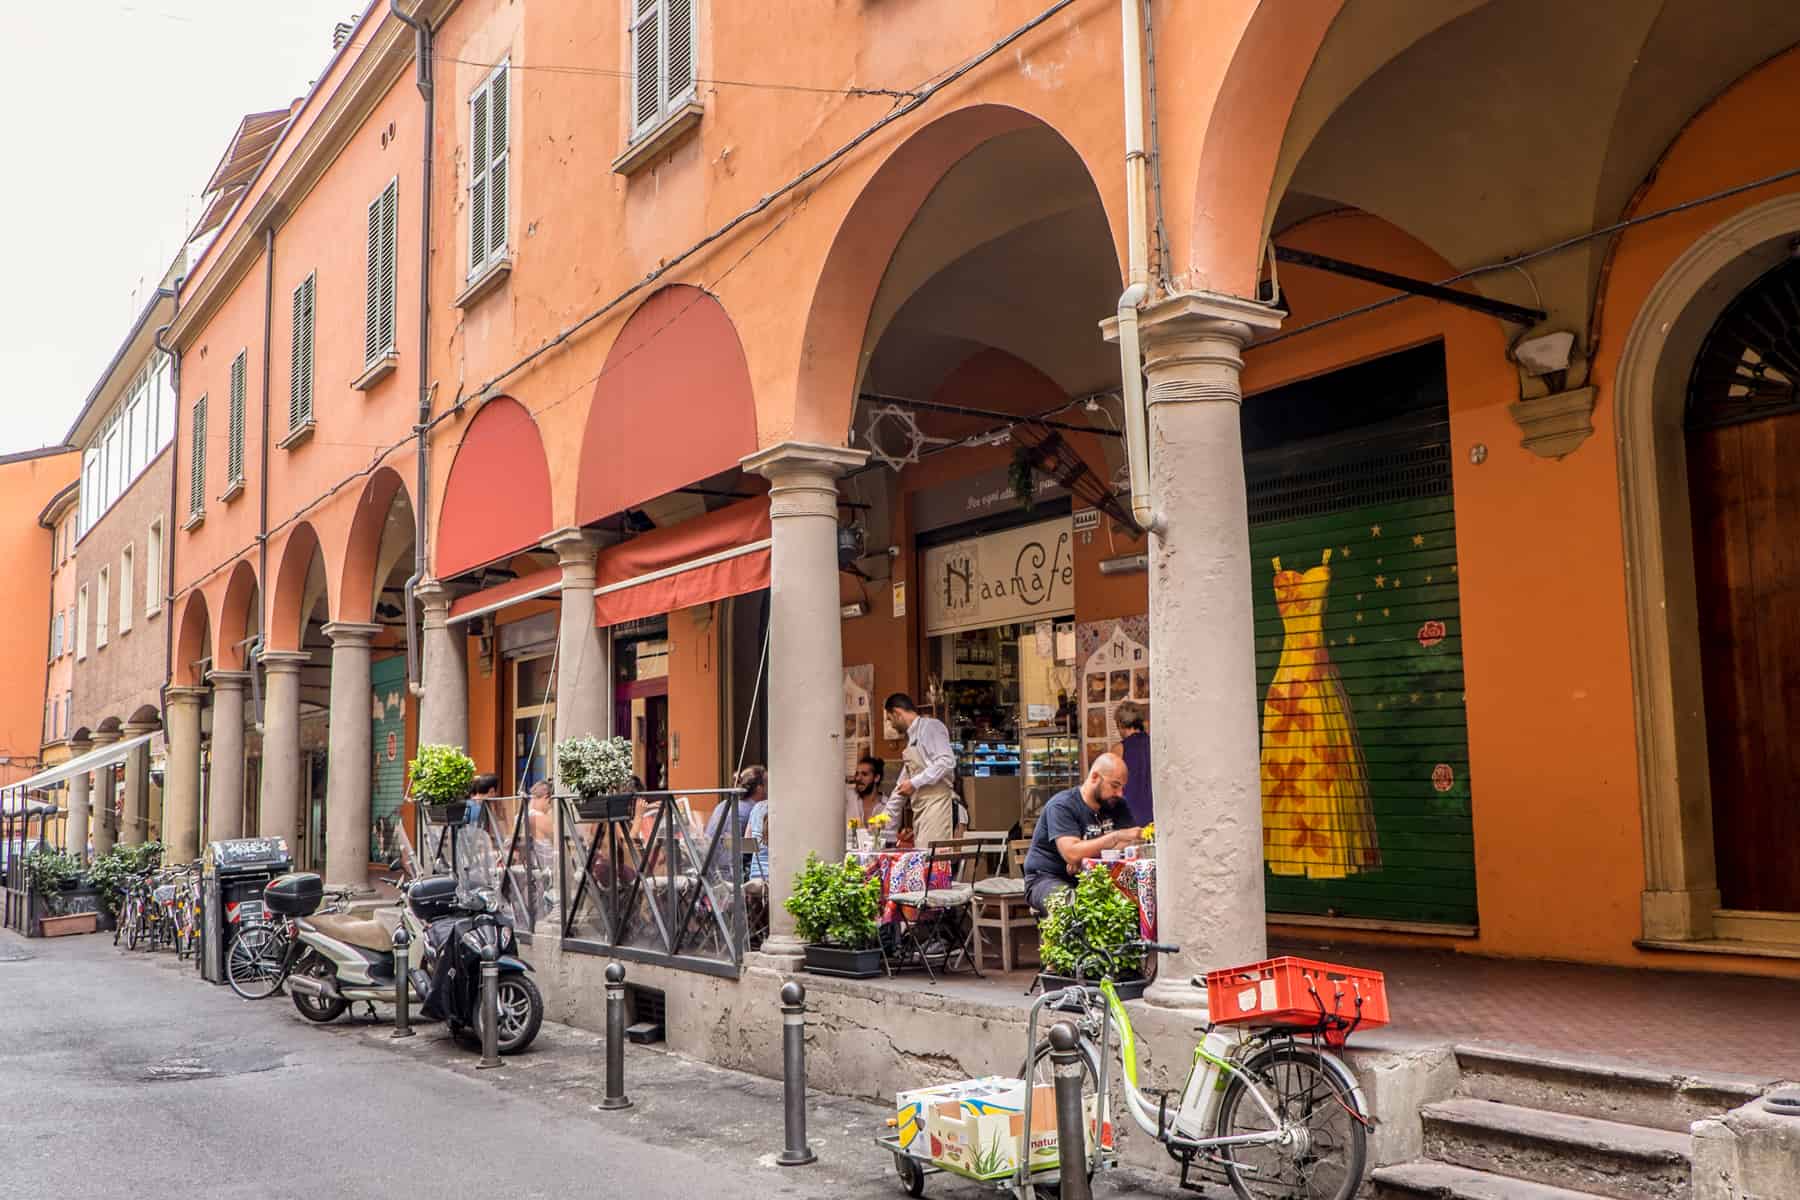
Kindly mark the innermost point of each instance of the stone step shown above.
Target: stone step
(1442, 1181)
(1632, 1095)
(1584, 1154)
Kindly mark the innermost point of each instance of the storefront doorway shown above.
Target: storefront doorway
(641, 695)
(533, 686)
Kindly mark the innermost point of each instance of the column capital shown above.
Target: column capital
(278, 662)
(228, 681)
(79, 746)
(140, 728)
(350, 633)
(783, 461)
(575, 550)
(194, 696)
(435, 597)
(1199, 314)
(105, 737)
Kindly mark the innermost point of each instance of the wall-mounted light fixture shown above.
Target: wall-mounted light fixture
(854, 609)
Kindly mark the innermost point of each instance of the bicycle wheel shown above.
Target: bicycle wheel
(255, 960)
(132, 923)
(1313, 1096)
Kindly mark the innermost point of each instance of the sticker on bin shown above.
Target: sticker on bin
(1299, 993)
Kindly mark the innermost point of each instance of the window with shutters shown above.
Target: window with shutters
(300, 367)
(663, 51)
(127, 586)
(379, 280)
(234, 427)
(104, 595)
(197, 464)
(489, 142)
(81, 622)
(153, 557)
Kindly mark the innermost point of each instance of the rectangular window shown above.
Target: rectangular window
(68, 711)
(127, 587)
(662, 61)
(56, 637)
(300, 375)
(153, 557)
(103, 596)
(234, 423)
(90, 489)
(489, 118)
(378, 327)
(50, 719)
(81, 622)
(197, 461)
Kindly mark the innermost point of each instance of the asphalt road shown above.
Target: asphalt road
(122, 1075)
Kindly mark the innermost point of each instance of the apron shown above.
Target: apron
(933, 806)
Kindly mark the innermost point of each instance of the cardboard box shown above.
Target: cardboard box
(973, 1126)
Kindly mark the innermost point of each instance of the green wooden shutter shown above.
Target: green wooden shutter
(1391, 637)
(300, 373)
(390, 217)
(234, 447)
(372, 287)
(197, 460)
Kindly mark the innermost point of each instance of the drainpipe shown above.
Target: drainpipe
(422, 52)
(167, 569)
(262, 528)
(1131, 362)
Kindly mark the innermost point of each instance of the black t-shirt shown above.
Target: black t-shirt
(1067, 815)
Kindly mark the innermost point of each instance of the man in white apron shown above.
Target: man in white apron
(928, 774)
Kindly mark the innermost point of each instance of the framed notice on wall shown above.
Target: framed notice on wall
(859, 734)
(1112, 664)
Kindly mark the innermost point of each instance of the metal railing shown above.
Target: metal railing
(642, 880)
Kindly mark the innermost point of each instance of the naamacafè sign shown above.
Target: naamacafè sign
(1017, 574)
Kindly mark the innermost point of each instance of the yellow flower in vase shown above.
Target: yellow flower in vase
(1149, 832)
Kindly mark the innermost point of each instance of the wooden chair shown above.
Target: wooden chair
(1000, 906)
(941, 913)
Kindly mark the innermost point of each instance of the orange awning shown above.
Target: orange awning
(492, 599)
(724, 553)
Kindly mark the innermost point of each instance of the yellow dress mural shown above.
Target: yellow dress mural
(1317, 820)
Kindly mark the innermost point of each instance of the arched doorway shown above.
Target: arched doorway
(1742, 426)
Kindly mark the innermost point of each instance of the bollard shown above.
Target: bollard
(793, 1075)
(1071, 1132)
(402, 985)
(615, 1040)
(490, 1009)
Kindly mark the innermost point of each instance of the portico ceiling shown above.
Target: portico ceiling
(1490, 129)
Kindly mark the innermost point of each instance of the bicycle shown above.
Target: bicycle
(258, 958)
(132, 922)
(1280, 1117)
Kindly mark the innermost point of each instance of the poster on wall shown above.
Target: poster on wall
(1112, 663)
(859, 688)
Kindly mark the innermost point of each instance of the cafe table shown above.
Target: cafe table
(900, 871)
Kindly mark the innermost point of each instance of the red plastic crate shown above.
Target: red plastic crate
(1298, 993)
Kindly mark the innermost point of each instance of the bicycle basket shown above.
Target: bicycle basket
(1298, 993)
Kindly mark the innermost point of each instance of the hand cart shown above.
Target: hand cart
(1024, 1182)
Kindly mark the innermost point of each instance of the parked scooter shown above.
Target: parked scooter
(339, 959)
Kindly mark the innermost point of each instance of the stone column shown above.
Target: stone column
(104, 819)
(225, 793)
(583, 683)
(1204, 740)
(806, 667)
(181, 775)
(136, 826)
(444, 670)
(282, 779)
(348, 783)
(77, 825)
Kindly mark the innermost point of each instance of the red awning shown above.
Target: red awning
(492, 599)
(724, 553)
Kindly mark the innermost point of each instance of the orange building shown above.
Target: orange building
(704, 385)
(33, 487)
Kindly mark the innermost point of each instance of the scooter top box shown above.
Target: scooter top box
(296, 895)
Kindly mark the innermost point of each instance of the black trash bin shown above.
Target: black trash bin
(231, 874)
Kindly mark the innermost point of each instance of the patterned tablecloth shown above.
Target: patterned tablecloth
(900, 871)
(1137, 879)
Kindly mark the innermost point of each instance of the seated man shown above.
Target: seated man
(1076, 824)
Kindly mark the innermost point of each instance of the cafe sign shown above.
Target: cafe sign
(1014, 575)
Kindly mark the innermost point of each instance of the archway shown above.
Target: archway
(378, 554)
(240, 619)
(301, 595)
(193, 642)
(478, 523)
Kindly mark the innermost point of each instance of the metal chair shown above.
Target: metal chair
(1000, 906)
(941, 914)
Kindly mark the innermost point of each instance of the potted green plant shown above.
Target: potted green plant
(1084, 934)
(441, 779)
(598, 770)
(834, 906)
(53, 877)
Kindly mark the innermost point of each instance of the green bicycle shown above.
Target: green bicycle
(1274, 1115)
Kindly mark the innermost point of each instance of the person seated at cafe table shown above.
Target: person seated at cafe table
(862, 791)
(1077, 824)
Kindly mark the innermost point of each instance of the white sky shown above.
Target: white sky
(118, 113)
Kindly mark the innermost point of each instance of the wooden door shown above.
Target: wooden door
(1745, 494)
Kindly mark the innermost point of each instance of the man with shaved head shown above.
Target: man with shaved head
(1078, 824)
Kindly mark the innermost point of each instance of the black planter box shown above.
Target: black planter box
(1129, 988)
(619, 807)
(844, 964)
(454, 813)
